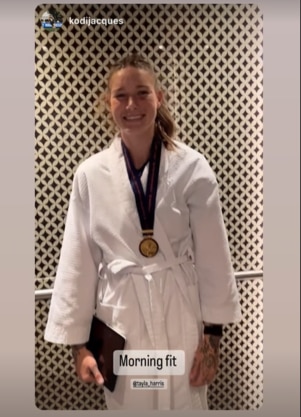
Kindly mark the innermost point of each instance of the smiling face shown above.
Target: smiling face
(134, 100)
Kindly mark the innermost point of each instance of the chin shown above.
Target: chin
(136, 129)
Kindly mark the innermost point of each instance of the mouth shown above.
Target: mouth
(133, 117)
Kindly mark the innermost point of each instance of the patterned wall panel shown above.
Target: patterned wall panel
(238, 386)
(210, 61)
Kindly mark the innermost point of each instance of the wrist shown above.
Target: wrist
(79, 346)
(213, 329)
(75, 349)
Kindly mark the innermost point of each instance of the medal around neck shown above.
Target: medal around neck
(146, 201)
(148, 247)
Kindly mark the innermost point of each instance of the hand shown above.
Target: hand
(205, 362)
(85, 365)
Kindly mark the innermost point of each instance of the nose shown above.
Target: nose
(131, 102)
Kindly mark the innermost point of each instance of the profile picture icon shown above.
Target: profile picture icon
(51, 20)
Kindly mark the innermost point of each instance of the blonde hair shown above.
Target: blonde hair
(165, 126)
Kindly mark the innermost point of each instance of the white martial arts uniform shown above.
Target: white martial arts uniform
(157, 303)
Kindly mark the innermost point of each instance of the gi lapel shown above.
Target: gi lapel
(166, 248)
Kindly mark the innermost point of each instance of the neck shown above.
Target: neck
(138, 149)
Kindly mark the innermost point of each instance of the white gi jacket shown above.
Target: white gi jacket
(157, 303)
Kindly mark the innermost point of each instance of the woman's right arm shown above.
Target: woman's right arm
(74, 294)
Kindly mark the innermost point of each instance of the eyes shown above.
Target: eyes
(124, 96)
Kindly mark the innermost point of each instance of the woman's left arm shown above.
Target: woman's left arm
(218, 292)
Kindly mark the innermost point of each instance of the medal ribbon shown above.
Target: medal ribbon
(145, 202)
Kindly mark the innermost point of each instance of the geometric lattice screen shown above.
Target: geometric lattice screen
(210, 60)
(238, 386)
(212, 69)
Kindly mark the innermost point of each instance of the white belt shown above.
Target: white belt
(122, 265)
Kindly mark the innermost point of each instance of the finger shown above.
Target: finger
(198, 381)
(97, 375)
(87, 378)
(195, 371)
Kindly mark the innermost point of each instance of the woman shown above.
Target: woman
(145, 237)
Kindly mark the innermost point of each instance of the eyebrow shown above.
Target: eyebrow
(122, 88)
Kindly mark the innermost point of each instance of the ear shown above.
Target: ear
(106, 100)
(160, 97)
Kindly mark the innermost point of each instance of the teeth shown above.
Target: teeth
(133, 117)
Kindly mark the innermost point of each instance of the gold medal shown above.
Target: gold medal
(148, 247)
(146, 200)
